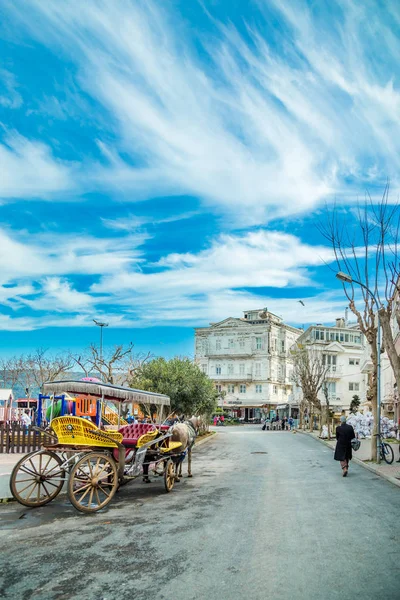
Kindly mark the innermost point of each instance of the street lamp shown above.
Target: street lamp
(346, 278)
(101, 325)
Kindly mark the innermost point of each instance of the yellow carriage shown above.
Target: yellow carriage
(91, 462)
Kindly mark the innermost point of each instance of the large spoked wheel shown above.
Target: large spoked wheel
(169, 475)
(37, 478)
(387, 453)
(93, 482)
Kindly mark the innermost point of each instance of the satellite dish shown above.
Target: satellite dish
(263, 314)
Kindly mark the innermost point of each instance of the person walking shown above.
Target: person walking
(343, 451)
(283, 423)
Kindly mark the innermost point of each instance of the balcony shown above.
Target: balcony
(214, 352)
(334, 372)
(232, 377)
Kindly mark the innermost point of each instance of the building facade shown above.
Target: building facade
(343, 350)
(249, 360)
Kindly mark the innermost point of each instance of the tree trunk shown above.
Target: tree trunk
(390, 348)
(328, 419)
(373, 389)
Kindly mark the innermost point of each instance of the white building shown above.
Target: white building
(342, 347)
(249, 360)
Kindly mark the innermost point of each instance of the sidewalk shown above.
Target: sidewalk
(7, 462)
(363, 457)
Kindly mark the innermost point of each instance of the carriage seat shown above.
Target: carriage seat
(131, 433)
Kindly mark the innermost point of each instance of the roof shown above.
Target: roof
(116, 393)
(5, 394)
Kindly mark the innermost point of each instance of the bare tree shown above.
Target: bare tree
(42, 367)
(118, 366)
(12, 371)
(309, 373)
(368, 252)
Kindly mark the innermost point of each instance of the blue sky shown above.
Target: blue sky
(164, 165)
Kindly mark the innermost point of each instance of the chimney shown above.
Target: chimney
(340, 322)
(346, 317)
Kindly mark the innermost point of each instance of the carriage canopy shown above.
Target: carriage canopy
(106, 391)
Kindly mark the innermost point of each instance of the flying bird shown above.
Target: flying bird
(301, 302)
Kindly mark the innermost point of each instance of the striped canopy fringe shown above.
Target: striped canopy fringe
(107, 391)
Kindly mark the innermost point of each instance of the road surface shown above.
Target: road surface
(266, 515)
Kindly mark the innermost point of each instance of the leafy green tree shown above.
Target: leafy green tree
(355, 403)
(190, 390)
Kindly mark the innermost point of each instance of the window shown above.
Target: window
(258, 389)
(275, 389)
(357, 339)
(218, 370)
(258, 369)
(242, 388)
(218, 388)
(218, 344)
(231, 388)
(329, 360)
(346, 337)
(258, 343)
(319, 334)
(230, 369)
(274, 343)
(230, 343)
(241, 369)
(332, 336)
(354, 361)
(354, 387)
(241, 343)
(204, 368)
(282, 345)
(331, 388)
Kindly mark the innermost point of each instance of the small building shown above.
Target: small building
(6, 403)
(343, 349)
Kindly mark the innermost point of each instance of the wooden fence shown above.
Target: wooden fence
(16, 437)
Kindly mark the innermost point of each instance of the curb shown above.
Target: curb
(371, 468)
(207, 439)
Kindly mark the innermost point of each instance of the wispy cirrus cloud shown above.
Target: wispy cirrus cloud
(253, 128)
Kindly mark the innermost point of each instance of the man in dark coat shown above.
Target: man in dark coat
(343, 451)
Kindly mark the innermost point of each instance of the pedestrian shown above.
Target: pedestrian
(291, 423)
(222, 419)
(283, 423)
(343, 451)
(26, 420)
(215, 420)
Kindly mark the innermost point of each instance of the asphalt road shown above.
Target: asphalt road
(266, 515)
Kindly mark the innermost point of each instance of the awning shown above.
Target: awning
(116, 393)
(282, 406)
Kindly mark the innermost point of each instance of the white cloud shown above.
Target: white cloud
(28, 170)
(254, 130)
(10, 97)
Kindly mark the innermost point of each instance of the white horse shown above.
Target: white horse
(185, 433)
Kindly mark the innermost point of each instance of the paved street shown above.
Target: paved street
(282, 524)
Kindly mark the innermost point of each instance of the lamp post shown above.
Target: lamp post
(101, 325)
(346, 278)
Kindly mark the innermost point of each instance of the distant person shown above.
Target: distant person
(222, 419)
(215, 421)
(26, 420)
(291, 423)
(283, 423)
(343, 451)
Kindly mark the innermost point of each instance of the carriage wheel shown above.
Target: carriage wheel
(37, 478)
(169, 475)
(93, 482)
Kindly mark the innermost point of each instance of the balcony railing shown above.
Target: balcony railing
(231, 377)
(334, 371)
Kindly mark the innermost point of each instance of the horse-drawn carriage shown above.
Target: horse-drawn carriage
(93, 462)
